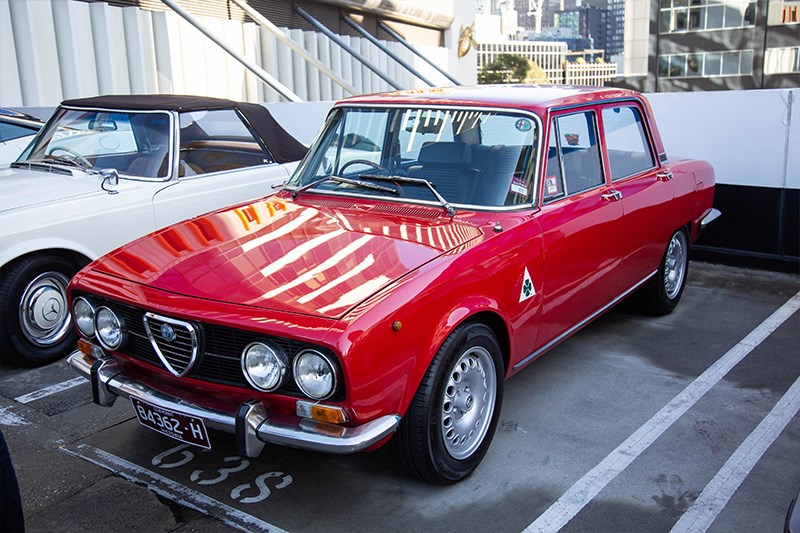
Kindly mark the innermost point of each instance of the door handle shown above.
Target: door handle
(664, 176)
(612, 196)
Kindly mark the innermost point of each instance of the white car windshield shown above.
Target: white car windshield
(460, 156)
(135, 144)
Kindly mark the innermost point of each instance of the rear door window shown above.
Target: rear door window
(628, 147)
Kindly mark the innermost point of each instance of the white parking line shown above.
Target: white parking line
(173, 490)
(715, 496)
(588, 486)
(9, 418)
(52, 389)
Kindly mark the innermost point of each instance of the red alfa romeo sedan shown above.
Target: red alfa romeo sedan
(430, 245)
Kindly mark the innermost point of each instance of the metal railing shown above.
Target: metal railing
(350, 50)
(364, 33)
(400, 39)
(262, 74)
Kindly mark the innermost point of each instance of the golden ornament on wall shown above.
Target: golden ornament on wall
(466, 40)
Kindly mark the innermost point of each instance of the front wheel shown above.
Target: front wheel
(452, 418)
(661, 294)
(35, 324)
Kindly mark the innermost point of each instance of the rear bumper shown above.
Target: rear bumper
(250, 423)
(709, 218)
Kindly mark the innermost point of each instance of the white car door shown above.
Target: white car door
(221, 162)
(190, 196)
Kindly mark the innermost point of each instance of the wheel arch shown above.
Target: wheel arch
(80, 259)
(495, 322)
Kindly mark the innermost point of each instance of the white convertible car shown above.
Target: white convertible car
(106, 170)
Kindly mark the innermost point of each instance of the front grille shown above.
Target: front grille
(175, 342)
(219, 348)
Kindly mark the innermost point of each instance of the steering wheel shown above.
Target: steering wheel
(372, 164)
(75, 155)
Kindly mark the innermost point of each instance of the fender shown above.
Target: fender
(45, 244)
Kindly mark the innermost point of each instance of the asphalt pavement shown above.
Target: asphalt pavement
(687, 422)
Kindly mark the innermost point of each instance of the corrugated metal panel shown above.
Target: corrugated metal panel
(280, 13)
(112, 49)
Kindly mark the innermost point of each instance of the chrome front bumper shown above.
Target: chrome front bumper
(250, 423)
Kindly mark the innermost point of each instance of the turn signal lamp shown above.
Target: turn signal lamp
(321, 413)
(90, 349)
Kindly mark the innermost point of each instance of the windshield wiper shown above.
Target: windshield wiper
(349, 181)
(451, 211)
(54, 160)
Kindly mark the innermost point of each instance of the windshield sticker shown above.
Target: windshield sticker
(523, 125)
(551, 185)
(527, 287)
(519, 187)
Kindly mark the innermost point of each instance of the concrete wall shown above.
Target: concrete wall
(751, 137)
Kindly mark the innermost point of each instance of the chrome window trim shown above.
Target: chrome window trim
(172, 138)
(574, 110)
(467, 207)
(655, 163)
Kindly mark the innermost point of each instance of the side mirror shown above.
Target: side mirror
(110, 179)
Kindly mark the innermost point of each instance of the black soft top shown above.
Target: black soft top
(279, 142)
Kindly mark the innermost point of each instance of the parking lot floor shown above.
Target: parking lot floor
(686, 422)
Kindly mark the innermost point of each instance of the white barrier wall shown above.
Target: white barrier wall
(750, 137)
(51, 50)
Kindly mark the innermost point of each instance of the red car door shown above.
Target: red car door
(645, 190)
(581, 221)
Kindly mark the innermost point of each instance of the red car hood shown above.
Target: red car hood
(284, 256)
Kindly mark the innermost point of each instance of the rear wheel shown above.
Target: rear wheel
(35, 324)
(452, 419)
(662, 293)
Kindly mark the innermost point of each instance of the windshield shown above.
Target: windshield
(469, 157)
(135, 144)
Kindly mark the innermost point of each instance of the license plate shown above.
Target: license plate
(185, 428)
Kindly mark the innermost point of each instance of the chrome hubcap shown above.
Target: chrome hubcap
(468, 402)
(43, 314)
(675, 265)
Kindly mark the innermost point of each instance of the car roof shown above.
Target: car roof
(283, 147)
(144, 102)
(530, 97)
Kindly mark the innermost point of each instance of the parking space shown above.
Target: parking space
(630, 425)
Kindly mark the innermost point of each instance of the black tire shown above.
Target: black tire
(424, 445)
(34, 336)
(662, 293)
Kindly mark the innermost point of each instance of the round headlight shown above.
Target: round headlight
(109, 328)
(83, 314)
(264, 365)
(314, 374)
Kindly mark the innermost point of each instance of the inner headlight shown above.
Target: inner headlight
(314, 374)
(109, 328)
(264, 365)
(83, 314)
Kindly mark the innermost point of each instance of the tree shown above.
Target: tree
(536, 74)
(507, 68)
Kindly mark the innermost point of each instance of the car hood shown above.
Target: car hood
(277, 254)
(25, 187)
